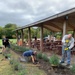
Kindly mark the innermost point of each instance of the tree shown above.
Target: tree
(8, 30)
(1, 32)
(10, 26)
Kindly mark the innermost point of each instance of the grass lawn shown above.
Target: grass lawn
(29, 67)
(11, 40)
(6, 69)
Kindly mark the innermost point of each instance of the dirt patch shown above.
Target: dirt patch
(49, 70)
(53, 71)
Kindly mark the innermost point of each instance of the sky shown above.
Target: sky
(23, 12)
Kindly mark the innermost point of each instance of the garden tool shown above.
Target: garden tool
(67, 46)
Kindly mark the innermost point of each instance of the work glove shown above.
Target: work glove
(66, 48)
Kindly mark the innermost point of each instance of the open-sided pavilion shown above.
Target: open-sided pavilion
(64, 21)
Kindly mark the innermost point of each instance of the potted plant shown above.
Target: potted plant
(54, 60)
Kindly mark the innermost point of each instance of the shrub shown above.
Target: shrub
(73, 69)
(22, 72)
(11, 61)
(39, 55)
(12, 46)
(45, 58)
(7, 55)
(16, 65)
(20, 67)
(54, 60)
(7, 49)
(19, 48)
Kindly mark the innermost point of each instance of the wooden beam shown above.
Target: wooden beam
(70, 25)
(74, 34)
(41, 38)
(17, 36)
(29, 37)
(64, 28)
(22, 36)
(58, 20)
(48, 28)
(53, 25)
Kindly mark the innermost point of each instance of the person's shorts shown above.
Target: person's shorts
(27, 59)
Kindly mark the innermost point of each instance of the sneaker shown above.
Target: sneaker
(61, 62)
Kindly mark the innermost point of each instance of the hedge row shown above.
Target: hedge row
(18, 48)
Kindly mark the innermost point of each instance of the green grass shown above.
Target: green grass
(30, 69)
(11, 40)
(5, 67)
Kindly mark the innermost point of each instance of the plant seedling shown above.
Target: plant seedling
(54, 60)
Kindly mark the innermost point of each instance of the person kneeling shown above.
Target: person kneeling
(30, 54)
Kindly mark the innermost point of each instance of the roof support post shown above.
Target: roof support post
(74, 34)
(29, 37)
(64, 28)
(51, 36)
(17, 36)
(41, 38)
(22, 36)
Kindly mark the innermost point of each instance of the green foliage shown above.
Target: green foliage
(10, 25)
(8, 30)
(7, 55)
(39, 55)
(15, 64)
(45, 58)
(11, 61)
(22, 72)
(46, 32)
(8, 50)
(19, 48)
(1, 32)
(54, 60)
(73, 69)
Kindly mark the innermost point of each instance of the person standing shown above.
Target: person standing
(7, 42)
(4, 41)
(4, 44)
(67, 45)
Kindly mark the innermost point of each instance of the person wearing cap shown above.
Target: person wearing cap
(30, 53)
(67, 45)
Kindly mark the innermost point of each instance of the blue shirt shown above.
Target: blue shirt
(28, 53)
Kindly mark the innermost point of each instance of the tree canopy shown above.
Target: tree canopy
(7, 30)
